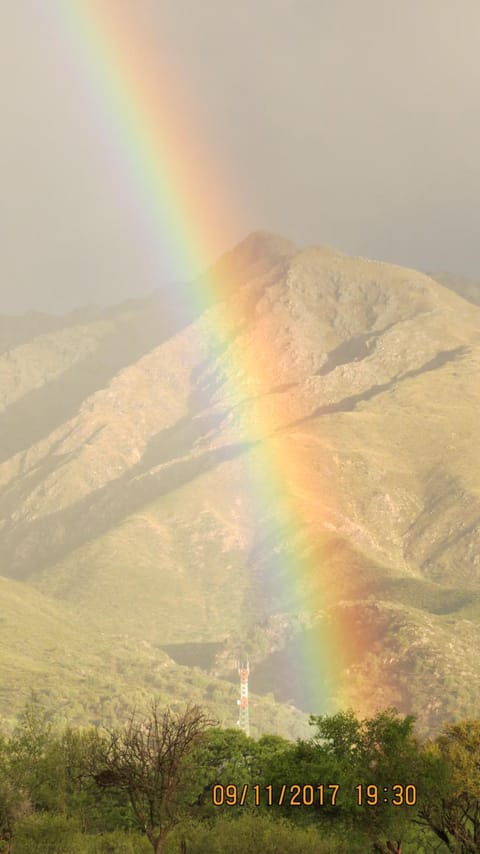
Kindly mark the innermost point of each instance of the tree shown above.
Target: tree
(452, 806)
(14, 797)
(381, 752)
(149, 760)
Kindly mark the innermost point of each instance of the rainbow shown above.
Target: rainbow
(141, 111)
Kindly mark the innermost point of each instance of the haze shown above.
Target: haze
(350, 124)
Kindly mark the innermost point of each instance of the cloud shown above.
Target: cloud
(351, 124)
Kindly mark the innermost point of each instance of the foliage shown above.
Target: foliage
(148, 760)
(451, 806)
(249, 833)
(151, 785)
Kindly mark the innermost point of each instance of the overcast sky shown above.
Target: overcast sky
(353, 123)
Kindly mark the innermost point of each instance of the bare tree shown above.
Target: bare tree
(148, 760)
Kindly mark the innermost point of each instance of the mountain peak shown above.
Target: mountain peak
(259, 248)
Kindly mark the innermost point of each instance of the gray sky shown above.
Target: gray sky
(353, 123)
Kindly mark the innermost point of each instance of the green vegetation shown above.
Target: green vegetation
(171, 782)
(82, 674)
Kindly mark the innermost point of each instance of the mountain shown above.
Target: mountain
(130, 546)
(469, 289)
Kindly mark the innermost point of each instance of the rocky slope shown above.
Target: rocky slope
(126, 436)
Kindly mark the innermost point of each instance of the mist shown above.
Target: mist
(346, 124)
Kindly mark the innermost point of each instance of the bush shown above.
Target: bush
(248, 834)
(50, 834)
(44, 833)
(119, 843)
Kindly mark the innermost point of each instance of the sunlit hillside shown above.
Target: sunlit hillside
(130, 557)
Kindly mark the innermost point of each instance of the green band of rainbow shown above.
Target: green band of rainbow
(142, 115)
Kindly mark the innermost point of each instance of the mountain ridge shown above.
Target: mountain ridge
(130, 489)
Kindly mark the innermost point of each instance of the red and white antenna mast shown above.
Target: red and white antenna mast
(243, 671)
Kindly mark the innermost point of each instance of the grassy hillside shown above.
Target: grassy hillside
(83, 674)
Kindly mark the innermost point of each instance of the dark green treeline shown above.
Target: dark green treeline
(174, 782)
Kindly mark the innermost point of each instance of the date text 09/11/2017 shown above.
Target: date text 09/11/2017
(307, 795)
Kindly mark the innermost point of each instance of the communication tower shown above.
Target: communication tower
(243, 671)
